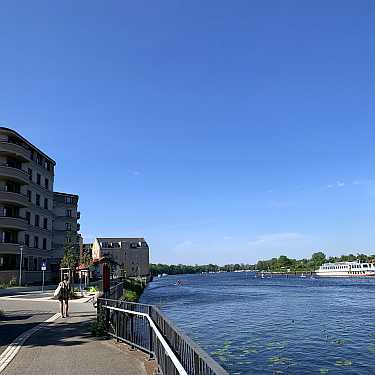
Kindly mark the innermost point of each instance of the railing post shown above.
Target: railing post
(117, 323)
(132, 327)
(150, 334)
(196, 364)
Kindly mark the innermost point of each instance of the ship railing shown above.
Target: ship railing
(146, 328)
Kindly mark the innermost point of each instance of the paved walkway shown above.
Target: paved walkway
(67, 347)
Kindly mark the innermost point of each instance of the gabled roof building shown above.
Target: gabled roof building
(131, 254)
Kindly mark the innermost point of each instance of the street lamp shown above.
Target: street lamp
(21, 250)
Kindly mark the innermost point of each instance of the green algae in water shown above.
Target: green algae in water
(340, 342)
(250, 350)
(371, 348)
(277, 360)
(324, 371)
(276, 345)
(344, 362)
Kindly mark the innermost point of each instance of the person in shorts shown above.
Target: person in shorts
(64, 296)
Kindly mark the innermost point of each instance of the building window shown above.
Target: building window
(30, 173)
(37, 220)
(28, 217)
(32, 154)
(46, 203)
(44, 243)
(68, 200)
(39, 159)
(38, 200)
(36, 242)
(69, 213)
(38, 178)
(27, 240)
(68, 226)
(29, 195)
(47, 165)
(46, 183)
(45, 223)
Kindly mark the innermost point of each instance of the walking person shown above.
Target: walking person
(64, 296)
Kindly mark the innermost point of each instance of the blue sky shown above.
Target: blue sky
(220, 131)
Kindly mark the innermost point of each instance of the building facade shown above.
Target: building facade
(65, 224)
(129, 254)
(26, 208)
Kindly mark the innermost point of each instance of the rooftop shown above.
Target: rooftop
(27, 142)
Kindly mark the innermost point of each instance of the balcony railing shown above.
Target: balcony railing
(17, 149)
(10, 241)
(10, 171)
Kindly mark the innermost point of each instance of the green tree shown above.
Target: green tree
(86, 259)
(318, 259)
(71, 251)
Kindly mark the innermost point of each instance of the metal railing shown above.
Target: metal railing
(116, 291)
(146, 328)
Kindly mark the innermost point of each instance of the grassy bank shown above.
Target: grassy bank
(133, 289)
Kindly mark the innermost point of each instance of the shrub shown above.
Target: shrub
(8, 284)
(130, 296)
(98, 328)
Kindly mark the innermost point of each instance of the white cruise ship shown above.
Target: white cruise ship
(346, 269)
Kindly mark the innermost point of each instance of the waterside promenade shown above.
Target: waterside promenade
(60, 346)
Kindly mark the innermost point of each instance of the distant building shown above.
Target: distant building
(130, 254)
(28, 215)
(65, 224)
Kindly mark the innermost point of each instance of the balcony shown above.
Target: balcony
(15, 150)
(78, 215)
(16, 199)
(9, 248)
(14, 174)
(11, 222)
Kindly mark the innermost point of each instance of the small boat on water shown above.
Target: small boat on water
(346, 269)
(303, 276)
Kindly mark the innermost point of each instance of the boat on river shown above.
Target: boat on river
(346, 269)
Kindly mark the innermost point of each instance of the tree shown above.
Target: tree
(318, 259)
(86, 259)
(71, 251)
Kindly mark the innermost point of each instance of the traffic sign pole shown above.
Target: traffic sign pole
(43, 268)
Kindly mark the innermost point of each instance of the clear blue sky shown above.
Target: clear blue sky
(220, 131)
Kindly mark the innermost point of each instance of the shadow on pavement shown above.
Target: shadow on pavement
(8, 318)
(65, 332)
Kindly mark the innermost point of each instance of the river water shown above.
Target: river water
(274, 325)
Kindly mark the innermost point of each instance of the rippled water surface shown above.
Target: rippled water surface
(277, 325)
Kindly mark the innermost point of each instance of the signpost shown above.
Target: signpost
(43, 268)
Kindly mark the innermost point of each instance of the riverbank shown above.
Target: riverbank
(133, 289)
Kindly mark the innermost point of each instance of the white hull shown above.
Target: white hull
(346, 269)
(326, 274)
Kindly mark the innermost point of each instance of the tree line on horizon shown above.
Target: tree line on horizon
(178, 269)
(282, 263)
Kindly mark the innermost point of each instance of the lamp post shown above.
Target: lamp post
(21, 250)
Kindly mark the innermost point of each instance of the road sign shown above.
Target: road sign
(43, 268)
